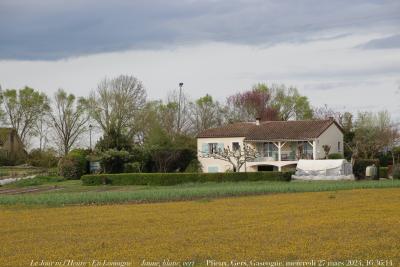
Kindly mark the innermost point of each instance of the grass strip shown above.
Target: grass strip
(188, 192)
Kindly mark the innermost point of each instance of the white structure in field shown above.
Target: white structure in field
(336, 169)
(280, 144)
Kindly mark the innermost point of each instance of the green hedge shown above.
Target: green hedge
(180, 178)
(335, 156)
(383, 172)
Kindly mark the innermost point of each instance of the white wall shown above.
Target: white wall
(210, 162)
(330, 137)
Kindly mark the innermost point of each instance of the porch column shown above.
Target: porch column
(314, 150)
(279, 153)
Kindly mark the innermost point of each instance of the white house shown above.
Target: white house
(280, 144)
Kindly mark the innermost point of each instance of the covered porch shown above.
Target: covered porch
(282, 153)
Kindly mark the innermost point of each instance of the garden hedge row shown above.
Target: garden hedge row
(180, 178)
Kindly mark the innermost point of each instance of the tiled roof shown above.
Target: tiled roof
(272, 130)
(239, 129)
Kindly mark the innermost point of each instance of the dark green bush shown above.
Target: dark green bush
(335, 156)
(360, 166)
(112, 160)
(194, 166)
(180, 178)
(396, 172)
(69, 168)
(80, 155)
(10, 159)
(383, 172)
(39, 180)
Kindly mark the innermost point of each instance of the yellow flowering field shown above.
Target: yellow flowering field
(330, 227)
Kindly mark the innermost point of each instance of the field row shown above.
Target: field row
(56, 192)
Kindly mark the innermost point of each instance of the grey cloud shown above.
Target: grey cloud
(383, 43)
(342, 73)
(55, 29)
(336, 85)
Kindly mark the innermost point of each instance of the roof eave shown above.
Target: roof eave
(279, 140)
(231, 136)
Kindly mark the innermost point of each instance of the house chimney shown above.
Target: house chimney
(331, 118)
(258, 119)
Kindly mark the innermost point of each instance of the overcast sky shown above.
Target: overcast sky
(342, 53)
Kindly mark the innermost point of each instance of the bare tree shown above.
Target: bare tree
(393, 136)
(68, 119)
(236, 157)
(205, 113)
(373, 133)
(41, 129)
(23, 109)
(116, 103)
(1, 106)
(177, 113)
(325, 112)
(327, 149)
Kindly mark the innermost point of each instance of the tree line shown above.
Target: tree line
(160, 135)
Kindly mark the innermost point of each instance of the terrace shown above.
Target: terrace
(281, 153)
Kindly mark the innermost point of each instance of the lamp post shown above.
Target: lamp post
(90, 136)
(179, 107)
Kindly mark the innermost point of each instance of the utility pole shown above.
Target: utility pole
(179, 107)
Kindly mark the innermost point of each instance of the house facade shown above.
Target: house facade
(279, 144)
(11, 146)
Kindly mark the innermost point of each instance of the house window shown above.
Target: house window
(235, 146)
(213, 148)
(305, 150)
(270, 150)
(338, 147)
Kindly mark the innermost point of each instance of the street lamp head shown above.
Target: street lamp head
(180, 84)
(90, 126)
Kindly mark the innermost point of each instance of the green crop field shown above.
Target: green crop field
(55, 191)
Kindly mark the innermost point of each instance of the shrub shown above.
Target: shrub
(69, 168)
(396, 172)
(80, 155)
(43, 158)
(335, 156)
(361, 165)
(10, 159)
(112, 160)
(194, 166)
(5, 159)
(132, 167)
(383, 172)
(180, 178)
